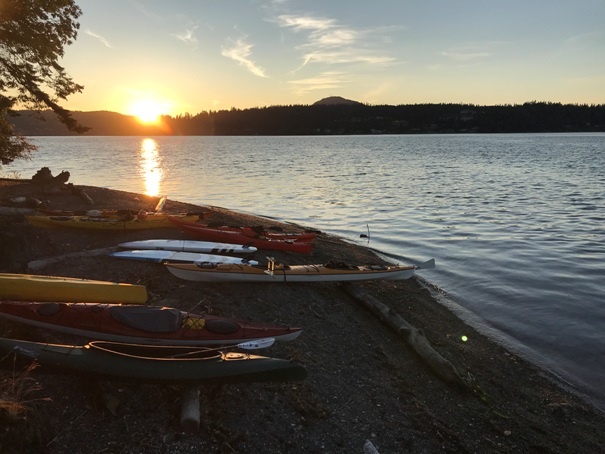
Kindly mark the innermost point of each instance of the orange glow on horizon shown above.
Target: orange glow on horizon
(147, 111)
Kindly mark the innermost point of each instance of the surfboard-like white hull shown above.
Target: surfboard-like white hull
(178, 257)
(206, 247)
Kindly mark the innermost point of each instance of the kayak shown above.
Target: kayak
(141, 324)
(178, 257)
(69, 289)
(329, 272)
(217, 234)
(101, 223)
(207, 247)
(174, 364)
(261, 232)
(120, 214)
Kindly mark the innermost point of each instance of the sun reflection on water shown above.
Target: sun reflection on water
(150, 166)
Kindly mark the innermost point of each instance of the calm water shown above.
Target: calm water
(516, 223)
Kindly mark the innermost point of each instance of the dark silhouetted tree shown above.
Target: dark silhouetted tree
(33, 35)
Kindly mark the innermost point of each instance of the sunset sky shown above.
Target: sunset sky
(187, 56)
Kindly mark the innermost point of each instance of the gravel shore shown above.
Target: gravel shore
(365, 385)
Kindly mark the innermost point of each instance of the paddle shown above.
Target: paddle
(426, 265)
(160, 206)
(250, 345)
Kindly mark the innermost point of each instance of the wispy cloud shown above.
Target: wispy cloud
(240, 51)
(299, 23)
(587, 38)
(327, 80)
(98, 37)
(475, 52)
(187, 36)
(329, 42)
(465, 57)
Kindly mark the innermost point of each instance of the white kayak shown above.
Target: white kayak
(329, 272)
(179, 257)
(207, 247)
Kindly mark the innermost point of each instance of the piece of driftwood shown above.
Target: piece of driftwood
(414, 337)
(190, 409)
(12, 211)
(80, 193)
(37, 264)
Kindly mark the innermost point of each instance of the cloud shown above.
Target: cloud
(240, 51)
(345, 56)
(187, 36)
(327, 80)
(299, 23)
(98, 37)
(586, 39)
(465, 57)
(329, 42)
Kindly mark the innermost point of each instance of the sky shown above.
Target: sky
(179, 57)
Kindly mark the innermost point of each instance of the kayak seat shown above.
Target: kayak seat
(152, 319)
(61, 218)
(206, 264)
(222, 326)
(338, 265)
(48, 309)
(378, 267)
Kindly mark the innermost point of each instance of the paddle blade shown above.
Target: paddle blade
(426, 265)
(160, 206)
(256, 344)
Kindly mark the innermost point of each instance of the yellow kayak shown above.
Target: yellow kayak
(31, 287)
(101, 223)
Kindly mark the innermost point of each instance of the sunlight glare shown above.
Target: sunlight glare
(150, 166)
(147, 111)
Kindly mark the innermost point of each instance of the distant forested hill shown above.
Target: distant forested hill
(338, 116)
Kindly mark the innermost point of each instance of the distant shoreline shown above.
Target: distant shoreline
(334, 119)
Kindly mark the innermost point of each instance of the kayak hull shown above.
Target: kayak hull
(206, 247)
(177, 257)
(150, 325)
(105, 224)
(211, 234)
(69, 289)
(171, 364)
(296, 273)
(119, 214)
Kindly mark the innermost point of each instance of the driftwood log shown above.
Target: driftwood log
(14, 211)
(414, 337)
(37, 264)
(76, 190)
(190, 409)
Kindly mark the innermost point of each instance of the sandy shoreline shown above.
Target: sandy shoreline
(364, 383)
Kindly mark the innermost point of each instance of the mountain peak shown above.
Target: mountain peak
(335, 101)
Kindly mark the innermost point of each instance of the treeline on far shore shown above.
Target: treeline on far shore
(343, 119)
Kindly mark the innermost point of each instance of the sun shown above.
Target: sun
(147, 111)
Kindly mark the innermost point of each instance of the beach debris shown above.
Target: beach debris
(190, 409)
(369, 448)
(413, 336)
(80, 193)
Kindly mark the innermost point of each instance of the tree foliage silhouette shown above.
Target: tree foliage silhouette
(33, 35)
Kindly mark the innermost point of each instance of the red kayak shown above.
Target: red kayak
(141, 324)
(262, 232)
(224, 235)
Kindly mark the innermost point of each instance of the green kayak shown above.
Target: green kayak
(156, 363)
